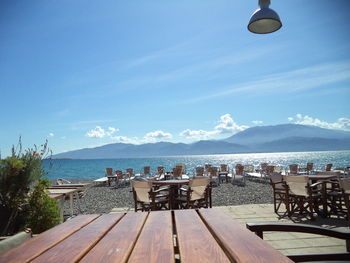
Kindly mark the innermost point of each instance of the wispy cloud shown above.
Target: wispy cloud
(290, 81)
(99, 132)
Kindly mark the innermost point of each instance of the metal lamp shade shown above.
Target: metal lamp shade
(264, 21)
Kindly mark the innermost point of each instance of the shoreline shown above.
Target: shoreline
(101, 199)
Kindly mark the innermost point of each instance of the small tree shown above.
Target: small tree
(18, 173)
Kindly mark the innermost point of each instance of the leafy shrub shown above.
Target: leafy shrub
(18, 174)
(43, 211)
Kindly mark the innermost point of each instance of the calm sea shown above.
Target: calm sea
(93, 169)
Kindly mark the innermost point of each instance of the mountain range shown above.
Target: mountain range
(277, 138)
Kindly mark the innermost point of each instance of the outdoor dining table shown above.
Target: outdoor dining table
(174, 186)
(67, 192)
(205, 235)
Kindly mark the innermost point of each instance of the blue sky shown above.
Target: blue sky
(87, 73)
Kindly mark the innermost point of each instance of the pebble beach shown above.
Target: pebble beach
(102, 198)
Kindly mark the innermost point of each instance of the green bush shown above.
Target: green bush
(43, 211)
(18, 175)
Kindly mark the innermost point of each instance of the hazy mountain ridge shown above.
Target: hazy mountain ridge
(278, 138)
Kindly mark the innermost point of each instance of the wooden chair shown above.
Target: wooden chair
(183, 170)
(146, 198)
(214, 175)
(279, 192)
(308, 169)
(259, 228)
(224, 173)
(302, 197)
(293, 169)
(328, 167)
(206, 168)
(160, 171)
(177, 172)
(109, 174)
(344, 184)
(239, 176)
(197, 195)
(146, 170)
(199, 171)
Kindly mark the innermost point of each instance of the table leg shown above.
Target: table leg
(71, 203)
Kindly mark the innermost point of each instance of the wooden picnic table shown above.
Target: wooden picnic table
(205, 235)
(67, 192)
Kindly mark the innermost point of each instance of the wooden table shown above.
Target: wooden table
(67, 192)
(173, 190)
(321, 177)
(207, 235)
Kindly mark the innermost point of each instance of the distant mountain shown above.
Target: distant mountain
(264, 134)
(278, 138)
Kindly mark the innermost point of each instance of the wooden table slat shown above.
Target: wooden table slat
(119, 241)
(155, 243)
(37, 245)
(243, 245)
(77, 245)
(196, 244)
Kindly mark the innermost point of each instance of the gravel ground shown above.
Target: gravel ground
(102, 198)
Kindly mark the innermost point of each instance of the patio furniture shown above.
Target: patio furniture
(259, 228)
(224, 173)
(302, 197)
(146, 198)
(196, 195)
(206, 235)
(172, 187)
(199, 171)
(239, 175)
(214, 175)
(328, 167)
(308, 169)
(293, 169)
(279, 193)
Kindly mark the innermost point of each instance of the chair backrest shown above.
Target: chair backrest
(345, 185)
(177, 172)
(160, 170)
(199, 171)
(249, 168)
(223, 167)
(183, 167)
(207, 167)
(119, 174)
(109, 171)
(213, 171)
(130, 172)
(141, 189)
(293, 169)
(297, 184)
(263, 166)
(198, 185)
(309, 166)
(147, 170)
(329, 166)
(270, 169)
(276, 178)
(239, 169)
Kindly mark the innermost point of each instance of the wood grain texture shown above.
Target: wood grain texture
(77, 245)
(117, 244)
(242, 244)
(37, 245)
(155, 243)
(196, 244)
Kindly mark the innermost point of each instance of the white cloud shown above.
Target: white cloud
(51, 134)
(157, 136)
(197, 134)
(257, 122)
(228, 125)
(99, 132)
(290, 118)
(124, 139)
(340, 124)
